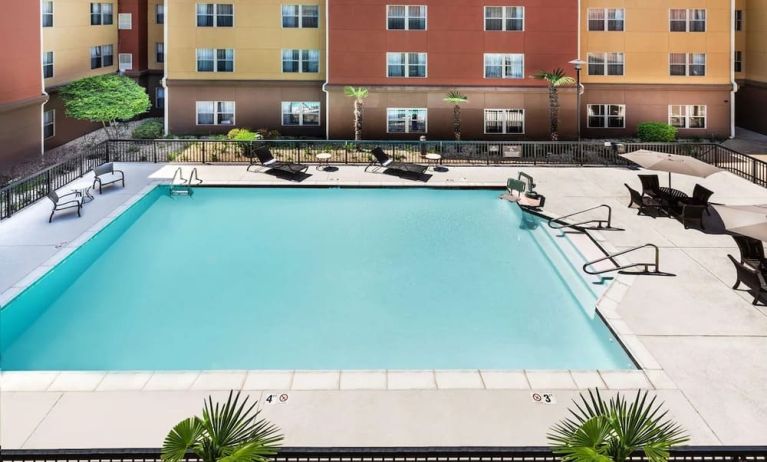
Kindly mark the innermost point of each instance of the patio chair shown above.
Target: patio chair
(752, 278)
(693, 207)
(106, 175)
(651, 186)
(751, 251)
(643, 203)
(385, 161)
(60, 203)
(266, 158)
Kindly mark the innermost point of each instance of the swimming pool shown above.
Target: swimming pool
(287, 278)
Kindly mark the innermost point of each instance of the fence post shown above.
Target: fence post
(154, 151)
(204, 144)
(48, 180)
(753, 170)
(109, 156)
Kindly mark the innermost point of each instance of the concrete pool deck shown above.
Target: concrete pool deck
(702, 345)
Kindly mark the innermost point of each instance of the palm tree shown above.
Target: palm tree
(601, 431)
(555, 79)
(359, 94)
(228, 433)
(456, 98)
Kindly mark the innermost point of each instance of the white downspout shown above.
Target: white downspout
(42, 83)
(164, 80)
(327, 69)
(734, 87)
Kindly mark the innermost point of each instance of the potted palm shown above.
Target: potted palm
(614, 430)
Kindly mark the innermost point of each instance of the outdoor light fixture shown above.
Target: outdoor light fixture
(578, 65)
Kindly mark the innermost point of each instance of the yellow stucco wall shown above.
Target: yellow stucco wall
(257, 38)
(646, 41)
(756, 40)
(71, 39)
(154, 33)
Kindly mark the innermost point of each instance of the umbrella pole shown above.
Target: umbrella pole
(669, 180)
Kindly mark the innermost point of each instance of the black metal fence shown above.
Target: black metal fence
(393, 454)
(21, 193)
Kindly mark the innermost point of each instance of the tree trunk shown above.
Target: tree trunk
(457, 122)
(554, 112)
(357, 120)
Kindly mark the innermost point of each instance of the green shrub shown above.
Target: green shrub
(242, 134)
(656, 132)
(150, 129)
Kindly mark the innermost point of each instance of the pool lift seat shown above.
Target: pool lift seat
(522, 191)
(180, 186)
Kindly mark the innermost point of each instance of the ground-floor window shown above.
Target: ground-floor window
(301, 113)
(125, 61)
(215, 112)
(49, 123)
(159, 98)
(687, 116)
(606, 116)
(401, 120)
(505, 121)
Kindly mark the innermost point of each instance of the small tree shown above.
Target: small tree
(105, 99)
(359, 94)
(229, 433)
(555, 79)
(456, 98)
(612, 431)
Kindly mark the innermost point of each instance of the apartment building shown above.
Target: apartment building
(21, 90)
(246, 63)
(410, 56)
(668, 61)
(750, 63)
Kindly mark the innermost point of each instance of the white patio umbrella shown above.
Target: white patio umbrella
(747, 220)
(671, 163)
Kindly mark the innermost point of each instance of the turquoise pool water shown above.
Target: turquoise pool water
(310, 279)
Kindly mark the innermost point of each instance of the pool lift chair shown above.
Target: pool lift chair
(522, 191)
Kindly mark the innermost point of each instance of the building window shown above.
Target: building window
(215, 112)
(49, 124)
(691, 64)
(160, 52)
(47, 64)
(215, 15)
(215, 60)
(505, 121)
(406, 64)
(606, 63)
(125, 21)
(301, 61)
(102, 56)
(301, 113)
(125, 61)
(159, 97)
(606, 116)
(101, 14)
(406, 17)
(738, 20)
(405, 120)
(606, 19)
(509, 18)
(300, 16)
(687, 116)
(504, 66)
(738, 61)
(159, 14)
(47, 10)
(687, 20)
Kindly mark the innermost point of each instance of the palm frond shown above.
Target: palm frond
(183, 438)
(356, 92)
(456, 97)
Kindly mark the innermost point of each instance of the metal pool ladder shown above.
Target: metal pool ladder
(595, 224)
(646, 269)
(180, 186)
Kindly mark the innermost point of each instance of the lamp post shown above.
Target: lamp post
(578, 65)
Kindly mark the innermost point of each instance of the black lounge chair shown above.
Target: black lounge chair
(651, 186)
(59, 203)
(106, 175)
(752, 278)
(692, 208)
(266, 158)
(751, 251)
(385, 161)
(643, 203)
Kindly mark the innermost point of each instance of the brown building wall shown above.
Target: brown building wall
(440, 114)
(134, 40)
(66, 128)
(750, 104)
(20, 136)
(455, 41)
(258, 104)
(649, 103)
